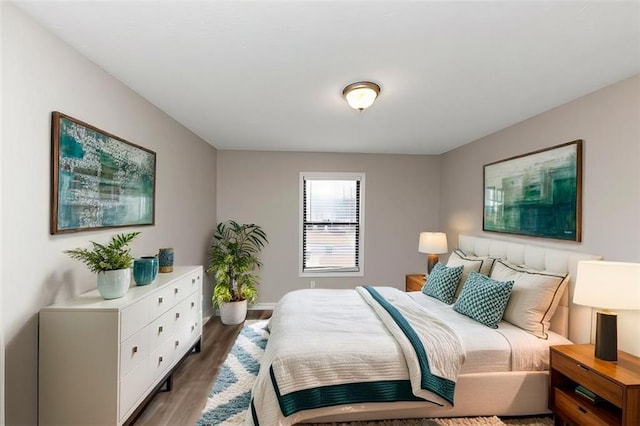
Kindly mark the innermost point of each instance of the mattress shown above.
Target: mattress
(507, 348)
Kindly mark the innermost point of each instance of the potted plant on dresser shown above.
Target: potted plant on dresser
(233, 257)
(111, 262)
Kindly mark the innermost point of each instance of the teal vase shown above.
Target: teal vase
(156, 264)
(145, 270)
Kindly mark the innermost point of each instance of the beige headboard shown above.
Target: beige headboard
(572, 321)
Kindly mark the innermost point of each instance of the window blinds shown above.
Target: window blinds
(331, 227)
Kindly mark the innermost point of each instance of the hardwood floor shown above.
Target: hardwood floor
(193, 379)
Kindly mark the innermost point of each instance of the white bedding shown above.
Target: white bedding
(507, 348)
(322, 339)
(344, 322)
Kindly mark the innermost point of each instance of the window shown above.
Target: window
(331, 220)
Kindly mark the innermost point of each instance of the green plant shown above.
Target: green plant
(115, 255)
(233, 256)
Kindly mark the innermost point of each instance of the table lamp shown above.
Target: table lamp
(432, 243)
(607, 285)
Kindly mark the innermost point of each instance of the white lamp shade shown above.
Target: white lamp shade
(608, 285)
(433, 243)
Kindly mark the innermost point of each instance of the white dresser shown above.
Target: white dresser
(99, 359)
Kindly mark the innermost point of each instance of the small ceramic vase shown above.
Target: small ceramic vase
(165, 260)
(145, 270)
(156, 264)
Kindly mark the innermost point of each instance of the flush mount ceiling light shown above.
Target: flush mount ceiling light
(361, 95)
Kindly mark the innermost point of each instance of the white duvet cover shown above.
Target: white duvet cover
(507, 348)
(328, 339)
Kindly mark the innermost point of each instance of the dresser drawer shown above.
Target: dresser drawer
(582, 412)
(194, 306)
(133, 318)
(181, 319)
(186, 286)
(189, 331)
(161, 301)
(133, 387)
(583, 374)
(160, 360)
(133, 351)
(160, 330)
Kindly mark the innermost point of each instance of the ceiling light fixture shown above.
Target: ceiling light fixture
(361, 95)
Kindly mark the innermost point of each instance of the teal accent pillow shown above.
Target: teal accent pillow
(442, 282)
(483, 299)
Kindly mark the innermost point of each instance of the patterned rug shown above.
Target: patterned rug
(231, 393)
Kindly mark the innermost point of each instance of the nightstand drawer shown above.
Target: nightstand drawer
(583, 412)
(601, 386)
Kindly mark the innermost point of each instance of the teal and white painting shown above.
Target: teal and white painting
(537, 194)
(99, 180)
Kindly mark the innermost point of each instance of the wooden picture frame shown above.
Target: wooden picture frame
(537, 194)
(98, 180)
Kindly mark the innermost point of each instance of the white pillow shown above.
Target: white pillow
(534, 297)
(481, 265)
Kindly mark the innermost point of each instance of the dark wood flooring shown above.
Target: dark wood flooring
(193, 379)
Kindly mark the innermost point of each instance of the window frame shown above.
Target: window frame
(331, 176)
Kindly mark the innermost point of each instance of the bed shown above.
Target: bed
(379, 353)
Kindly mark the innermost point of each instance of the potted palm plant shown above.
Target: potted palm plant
(233, 257)
(111, 262)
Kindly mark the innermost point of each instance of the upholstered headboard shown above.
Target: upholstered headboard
(571, 321)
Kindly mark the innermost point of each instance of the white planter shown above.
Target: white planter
(232, 313)
(114, 284)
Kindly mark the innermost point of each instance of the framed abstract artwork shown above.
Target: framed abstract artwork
(98, 180)
(538, 194)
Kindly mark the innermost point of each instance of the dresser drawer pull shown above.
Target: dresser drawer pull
(177, 343)
(160, 300)
(193, 327)
(160, 329)
(175, 290)
(134, 350)
(193, 304)
(582, 367)
(582, 410)
(160, 359)
(193, 280)
(177, 315)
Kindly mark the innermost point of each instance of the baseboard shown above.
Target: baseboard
(256, 307)
(262, 307)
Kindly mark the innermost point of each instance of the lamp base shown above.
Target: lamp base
(432, 259)
(607, 337)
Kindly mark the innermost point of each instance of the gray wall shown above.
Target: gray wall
(401, 199)
(608, 121)
(41, 74)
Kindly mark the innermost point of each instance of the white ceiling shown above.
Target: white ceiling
(268, 75)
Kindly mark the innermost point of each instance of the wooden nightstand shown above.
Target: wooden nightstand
(617, 383)
(414, 282)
